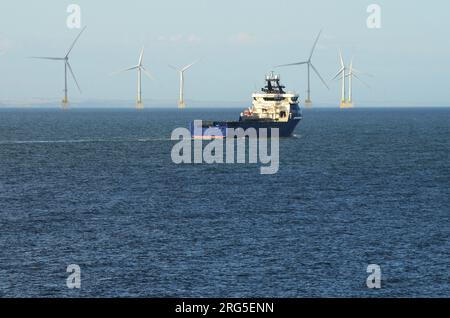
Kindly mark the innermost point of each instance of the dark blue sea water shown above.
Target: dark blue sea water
(98, 188)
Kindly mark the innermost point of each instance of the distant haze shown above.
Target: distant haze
(238, 42)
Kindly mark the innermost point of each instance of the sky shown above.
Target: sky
(237, 42)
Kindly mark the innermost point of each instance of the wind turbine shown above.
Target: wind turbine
(353, 72)
(181, 71)
(67, 66)
(341, 74)
(310, 66)
(139, 67)
(347, 103)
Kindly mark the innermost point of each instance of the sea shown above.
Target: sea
(97, 188)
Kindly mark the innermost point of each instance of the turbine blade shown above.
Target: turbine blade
(361, 80)
(141, 56)
(76, 39)
(341, 59)
(175, 68)
(74, 78)
(317, 72)
(125, 70)
(188, 66)
(338, 73)
(314, 46)
(47, 58)
(362, 73)
(291, 64)
(149, 75)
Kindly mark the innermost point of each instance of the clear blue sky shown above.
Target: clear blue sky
(238, 41)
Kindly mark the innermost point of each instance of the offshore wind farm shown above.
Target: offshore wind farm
(345, 102)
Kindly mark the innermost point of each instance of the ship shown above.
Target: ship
(272, 107)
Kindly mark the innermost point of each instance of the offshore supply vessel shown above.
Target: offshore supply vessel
(272, 107)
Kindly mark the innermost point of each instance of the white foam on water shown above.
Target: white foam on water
(72, 141)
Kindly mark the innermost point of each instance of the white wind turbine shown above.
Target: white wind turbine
(347, 102)
(139, 67)
(353, 72)
(309, 64)
(67, 66)
(181, 71)
(341, 74)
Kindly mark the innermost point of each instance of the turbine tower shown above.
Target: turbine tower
(341, 75)
(310, 66)
(65, 101)
(139, 67)
(350, 77)
(353, 72)
(181, 71)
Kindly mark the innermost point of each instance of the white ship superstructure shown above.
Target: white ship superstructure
(272, 103)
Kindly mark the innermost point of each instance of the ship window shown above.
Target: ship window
(294, 99)
(271, 99)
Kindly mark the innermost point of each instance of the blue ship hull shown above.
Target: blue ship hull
(224, 129)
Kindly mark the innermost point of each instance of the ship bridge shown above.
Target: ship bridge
(273, 85)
